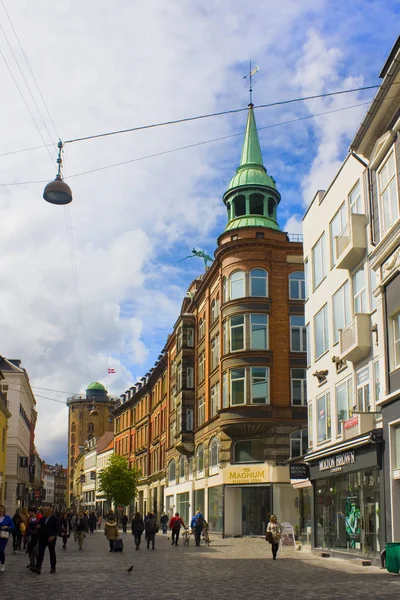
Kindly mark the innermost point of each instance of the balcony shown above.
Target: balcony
(184, 442)
(351, 244)
(355, 340)
(245, 420)
(357, 425)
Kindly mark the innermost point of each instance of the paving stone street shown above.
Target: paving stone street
(230, 569)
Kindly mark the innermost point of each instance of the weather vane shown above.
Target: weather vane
(199, 254)
(250, 76)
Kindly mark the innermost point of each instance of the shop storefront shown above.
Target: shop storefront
(347, 482)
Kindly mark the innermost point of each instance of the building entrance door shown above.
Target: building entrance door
(256, 508)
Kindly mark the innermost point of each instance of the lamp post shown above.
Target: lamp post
(57, 191)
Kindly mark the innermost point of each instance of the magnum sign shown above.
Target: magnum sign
(245, 475)
(336, 463)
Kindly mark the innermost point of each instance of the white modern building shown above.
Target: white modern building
(89, 476)
(104, 451)
(344, 366)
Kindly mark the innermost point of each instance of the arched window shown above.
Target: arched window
(73, 427)
(182, 467)
(256, 204)
(72, 449)
(225, 294)
(73, 438)
(171, 471)
(237, 284)
(247, 451)
(200, 458)
(259, 283)
(297, 289)
(214, 309)
(90, 427)
(240, 205)
(213, 453)
(201, 328)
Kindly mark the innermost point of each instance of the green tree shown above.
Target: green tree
(117, 482)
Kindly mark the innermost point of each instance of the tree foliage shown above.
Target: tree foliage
(117, 482)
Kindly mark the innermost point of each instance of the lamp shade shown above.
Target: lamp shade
(57, 192)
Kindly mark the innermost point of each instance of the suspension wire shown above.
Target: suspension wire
(188, 146)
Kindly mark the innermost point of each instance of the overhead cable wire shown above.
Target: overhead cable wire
(218, 114)
(188, 146)
(16, 389)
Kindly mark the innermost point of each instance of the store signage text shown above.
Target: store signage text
(246, 475)
(351, 422)
(336, 463)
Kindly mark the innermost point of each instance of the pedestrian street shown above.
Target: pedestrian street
(229, 569)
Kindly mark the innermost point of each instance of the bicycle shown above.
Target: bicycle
(186, 537)
(206, 537)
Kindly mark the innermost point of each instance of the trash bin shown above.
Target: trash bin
(393, 557)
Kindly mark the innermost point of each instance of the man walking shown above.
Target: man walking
(175, 525)
(197, 526)
(151, 529)
(81, 528)
(164, 522)
(48, 528)
(124, 523)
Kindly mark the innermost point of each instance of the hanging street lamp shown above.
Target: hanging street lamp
(57, 191)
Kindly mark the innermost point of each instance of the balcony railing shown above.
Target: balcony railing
(355, 339)
(357, 425)
(351, 243)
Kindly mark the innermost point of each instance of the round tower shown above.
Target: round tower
(89, 416)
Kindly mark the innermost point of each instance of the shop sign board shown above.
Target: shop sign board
(353, 422)
(246, 475)
(287, 539)
(336, 463)
(299, 471)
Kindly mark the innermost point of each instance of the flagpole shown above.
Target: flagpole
(250, 88)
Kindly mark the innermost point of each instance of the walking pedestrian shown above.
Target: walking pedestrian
(99, 521)
(73, 525)
(6, 527)
(16, 532)
(111, 530)
(92, 522)
(175, 525)
(81, 525)
(164, 522)
(124, 523)
(32, 537)
(65, 530)
(48, 527)
(137, 529)
(197, 524)
(24, 526)
(274, 534)
(151, 530)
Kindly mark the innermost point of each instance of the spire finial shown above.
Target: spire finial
(250, 76)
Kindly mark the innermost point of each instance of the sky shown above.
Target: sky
(98, 284)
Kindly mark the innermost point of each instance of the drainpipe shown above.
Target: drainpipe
(370, 205)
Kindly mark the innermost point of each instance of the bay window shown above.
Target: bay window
(214, 400)
(356, 203)
(237, 333)
(238, 386)
(259, 332)
(258, 283)
(260, 385)
(237, 285)
(363, 390)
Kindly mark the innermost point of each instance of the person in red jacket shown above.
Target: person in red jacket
(175, 525)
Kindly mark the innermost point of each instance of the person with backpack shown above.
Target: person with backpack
(175, 525)
(151, 530)
(137, 529)
(197, 525)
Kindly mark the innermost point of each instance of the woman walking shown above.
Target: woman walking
(16, 532)
(137, 529)
(65, 530)
(274, 534)
(6, 527)
(111, 531)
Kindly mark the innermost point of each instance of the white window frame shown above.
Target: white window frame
(215, 352)
(171, 479)
(225, 390)
(341, 217)
(253, 318)
(298, 436)
(320, 273)
(214, 400)
(327, 412)
(202, 328)
(324, 331)
(302, 334)
(301, 285)
(310, 425)
(341, 307)
(233, 279)
(263, 277)
(363, 389)
(265, 379)
(396, 340)
(244, 379)
(190, 337)
(225, 336)
(225, 289)
(356, 200)
(200, 472)
(189, 419)
(307, 278)
(347, 385)
(377, 380)
(179, 369)
(201, 411)
(303, 386)
(359, 295)
(385, 227)
(202, 366)
(214, 310)
(213, 468)
(243, 325)
(190, 377)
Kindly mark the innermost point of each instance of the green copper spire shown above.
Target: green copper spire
(251, 197)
